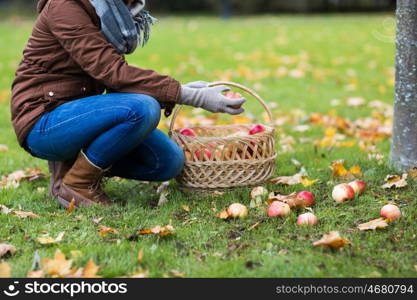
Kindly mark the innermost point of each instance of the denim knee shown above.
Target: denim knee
(173, 163)
(144, 109)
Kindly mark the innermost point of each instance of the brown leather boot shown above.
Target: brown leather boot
(83, 184)
(58, 169)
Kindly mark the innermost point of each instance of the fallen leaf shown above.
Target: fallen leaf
(292, 200)
(70, 207)
(5, 270)
(104, 230)
(13, 180)
(35, 274)
(49, 240)
(5, 210)
(97, 220)
(355, 101)
(374, 224)
(413, 173)
(177, 274)
(24, 214)
(395, 181)
(339, 170)
(186, 208)
(298, 178)
(332, 240)
(139, 274)
(58, 266)
(90, 270)
(140, 256)
(158, 230)
(3, 148)
(223, 215)
(6, 249)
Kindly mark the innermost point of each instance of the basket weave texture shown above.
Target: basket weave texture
(225, 156)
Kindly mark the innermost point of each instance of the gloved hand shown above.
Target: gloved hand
(211, 99)
(197, 84)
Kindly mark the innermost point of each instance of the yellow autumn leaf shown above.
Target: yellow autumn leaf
(5, 270)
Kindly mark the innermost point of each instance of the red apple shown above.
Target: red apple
(307, 219)
(277, 208)
(343, 192)
(358, 186)
(233, 95)
(258, 128)
(207, 154)
(390, 212)
(188, 132)
(307, 197)
(237, 210)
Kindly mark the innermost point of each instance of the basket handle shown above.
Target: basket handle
(232, 84)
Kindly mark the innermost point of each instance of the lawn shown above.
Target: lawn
(305, 65)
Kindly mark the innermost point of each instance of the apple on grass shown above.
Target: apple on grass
(343, 192)
(307, 219)
(390, 212)
(358, 186)
(278, 208)
(307, 197)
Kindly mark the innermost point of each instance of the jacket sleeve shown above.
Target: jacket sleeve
(86, 44)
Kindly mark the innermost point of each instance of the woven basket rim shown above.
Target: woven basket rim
(268, 131)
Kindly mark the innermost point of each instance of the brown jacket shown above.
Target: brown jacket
(67, 58)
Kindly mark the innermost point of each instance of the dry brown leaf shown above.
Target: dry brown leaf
(223, 215)
(104, 230)
(374, 224)
(5, 210)
(292, 200)
(13, 180)
(58, 266)
(332, 240)
(158, 230)
(5, 270)
(24, 214)
(339, 170)
(293, 180)
(90, 270)
(176, 274)
(71, 206)
(140, 256)
(45, 240)
(97, 220)
(35, 274)
(6, 249)
(413, 173)
(395, 181)
(139, 274)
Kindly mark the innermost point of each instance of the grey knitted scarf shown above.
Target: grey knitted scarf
(124, 27)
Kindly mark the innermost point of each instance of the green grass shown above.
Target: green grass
(341, 50)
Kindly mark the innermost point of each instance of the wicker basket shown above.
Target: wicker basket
(222, 157)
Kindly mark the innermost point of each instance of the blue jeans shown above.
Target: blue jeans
(117, 130)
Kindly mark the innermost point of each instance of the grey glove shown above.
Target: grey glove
(197, 84)
(211, 99)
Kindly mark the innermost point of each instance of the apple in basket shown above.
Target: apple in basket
(199, 154)
(258, 128)
(233, 95)
(188, 132)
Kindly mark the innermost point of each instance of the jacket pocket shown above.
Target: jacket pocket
(59, 92)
